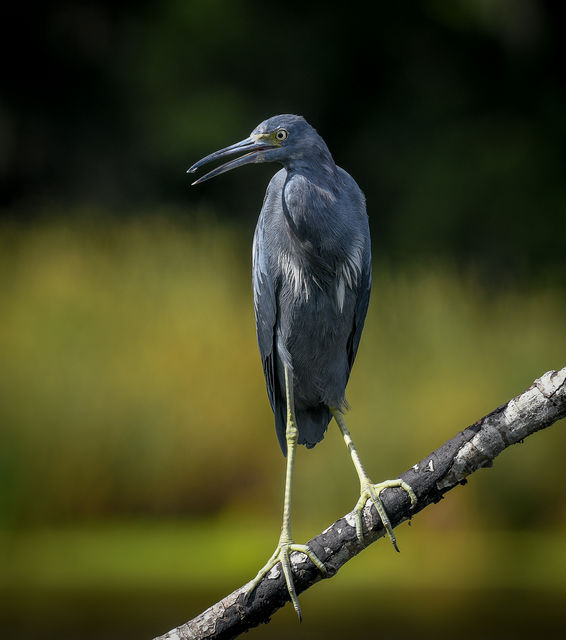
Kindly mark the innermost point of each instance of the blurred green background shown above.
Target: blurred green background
(140, 477)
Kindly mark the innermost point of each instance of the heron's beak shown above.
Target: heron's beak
(254, 145)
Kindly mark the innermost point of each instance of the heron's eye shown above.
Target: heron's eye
(281, 134)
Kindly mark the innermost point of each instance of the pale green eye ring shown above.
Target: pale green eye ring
(281, 135)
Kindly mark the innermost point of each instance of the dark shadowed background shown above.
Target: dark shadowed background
(140, 477)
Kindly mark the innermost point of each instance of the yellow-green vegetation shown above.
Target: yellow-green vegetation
(131, 389)
(218, 553)
(131, 384)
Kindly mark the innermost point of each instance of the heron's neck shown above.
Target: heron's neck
(317, 165)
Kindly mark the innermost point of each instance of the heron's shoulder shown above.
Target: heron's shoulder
(273, 192)
(306, 192)
(278, 180)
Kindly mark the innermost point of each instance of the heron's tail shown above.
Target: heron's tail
(312, 424)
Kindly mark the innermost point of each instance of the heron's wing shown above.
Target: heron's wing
(360, 308)
(265, 309)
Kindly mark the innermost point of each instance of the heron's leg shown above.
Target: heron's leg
(286, 544)
(368, 490)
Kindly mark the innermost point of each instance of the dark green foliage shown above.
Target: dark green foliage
(449, 115)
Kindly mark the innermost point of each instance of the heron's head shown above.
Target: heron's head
(284, 139)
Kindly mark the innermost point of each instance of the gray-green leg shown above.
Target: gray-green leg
(368, 490)
(286, 544)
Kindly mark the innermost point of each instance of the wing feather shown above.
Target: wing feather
(265, 309)
(361, 308)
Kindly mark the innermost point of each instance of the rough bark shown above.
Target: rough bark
(543, 403)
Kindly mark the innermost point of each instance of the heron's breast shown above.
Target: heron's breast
(304, 284)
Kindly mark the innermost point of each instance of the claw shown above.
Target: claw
(282, 554)
(371, 492)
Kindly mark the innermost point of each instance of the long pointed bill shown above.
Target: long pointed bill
(253, 146)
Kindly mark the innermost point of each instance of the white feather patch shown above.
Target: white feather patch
(340, 292)
(295, 275)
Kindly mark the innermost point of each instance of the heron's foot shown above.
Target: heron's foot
(283, 555)
(371, 492)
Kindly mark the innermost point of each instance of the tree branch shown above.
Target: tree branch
(543, 403)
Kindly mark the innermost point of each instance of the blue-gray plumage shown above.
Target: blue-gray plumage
(311, 279)
(311, 285)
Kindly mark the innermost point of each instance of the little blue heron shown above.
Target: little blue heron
(311, 285)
